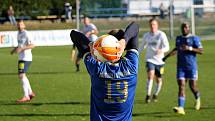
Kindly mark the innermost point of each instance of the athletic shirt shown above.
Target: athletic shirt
(187, 59)
(24, 40)
(153, 42)
(88, 28)
(113, 87)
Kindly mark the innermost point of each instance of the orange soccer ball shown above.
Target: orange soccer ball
(107, 48)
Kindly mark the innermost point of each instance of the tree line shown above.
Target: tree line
(35, 8)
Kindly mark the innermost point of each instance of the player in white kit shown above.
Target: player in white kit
(25, 58)
(157, 44)
(90, 31)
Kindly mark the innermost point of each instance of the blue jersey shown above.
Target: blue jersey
(187, 59)
(112, 87)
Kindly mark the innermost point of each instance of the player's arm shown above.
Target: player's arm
(143, 44)
(20, 49)
(118, 33)
(196, 47)
(171, 53)
(192, 49)
(94, 31)
(80, 41)
(13, 50)
(198, 50)
(131, 36)
(165, 43)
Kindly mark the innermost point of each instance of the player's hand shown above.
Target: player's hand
(122, 48)
(186, 48)
(12, 52)
(159, 52)
(19, 49)
(91, 49)
(122, 45)
(88, 34)
(164, 59)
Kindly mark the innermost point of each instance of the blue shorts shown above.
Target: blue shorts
(183, 74)
(159, 69)
(23, 66)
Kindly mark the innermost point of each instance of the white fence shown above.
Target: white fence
(39, 38)
(152, 6)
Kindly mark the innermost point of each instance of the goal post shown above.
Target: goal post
(201, 11)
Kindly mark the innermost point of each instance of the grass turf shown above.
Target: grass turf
(64, 95)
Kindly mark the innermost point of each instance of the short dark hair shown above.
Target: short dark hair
(20, 20)
(154, 19)
(184, 24)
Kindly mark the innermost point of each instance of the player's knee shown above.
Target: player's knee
(182, 86)
(21, 76)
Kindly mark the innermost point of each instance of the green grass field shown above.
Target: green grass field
(64, 95)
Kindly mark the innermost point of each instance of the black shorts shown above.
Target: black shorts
(23, 66)
(79, 55)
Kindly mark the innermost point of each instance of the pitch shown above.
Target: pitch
(64, 95)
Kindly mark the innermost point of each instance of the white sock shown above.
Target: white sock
(25, 87)
(158, 88)
(28, 85)
(149, 87)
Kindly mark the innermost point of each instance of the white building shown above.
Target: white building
(144, 7)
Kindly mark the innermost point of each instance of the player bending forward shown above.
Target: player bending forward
(113, 84)
(187, 46)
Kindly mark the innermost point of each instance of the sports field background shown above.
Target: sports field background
(64, 95)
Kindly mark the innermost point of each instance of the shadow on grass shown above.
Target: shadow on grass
(153, 114)
(202, 108)
(36, 73)
(156, 114)
(46, 114)
(44, 103)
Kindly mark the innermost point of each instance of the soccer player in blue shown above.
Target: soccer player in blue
(113, 84)
(187, 46)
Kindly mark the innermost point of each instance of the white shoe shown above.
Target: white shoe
(198, 104)
(179, 110)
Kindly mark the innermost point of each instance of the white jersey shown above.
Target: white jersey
(24, 40)
(153, 42)
(88, 28)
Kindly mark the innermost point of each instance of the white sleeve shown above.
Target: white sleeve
(165, 43)
(143, 44)
(29, 38)
(93, 27)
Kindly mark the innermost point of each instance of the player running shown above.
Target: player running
(187, 46)
(113, 84)
(157, 44)
(25, 58)
(90, 31)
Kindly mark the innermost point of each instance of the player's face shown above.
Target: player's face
(20, 26)
(185, 29)
(86, 21)
(154, 26)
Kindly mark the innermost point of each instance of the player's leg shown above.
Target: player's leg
(73, 53)
(181, 92)
(150, 76)
(159, 70)
(193, 86)
(28, 93)
(25, 88)
(181, 97)
(77, 61)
